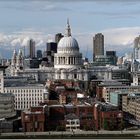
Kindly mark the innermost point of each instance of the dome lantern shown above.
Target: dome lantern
(68, 29)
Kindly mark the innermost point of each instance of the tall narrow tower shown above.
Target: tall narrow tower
(31, 48)
(14, 59)
(19, 60)
(98, 45)
(13, 63)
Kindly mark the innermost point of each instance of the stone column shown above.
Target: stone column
(74, 60)
(59, 60)
(70, 60)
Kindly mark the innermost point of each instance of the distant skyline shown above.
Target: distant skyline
(119, 21)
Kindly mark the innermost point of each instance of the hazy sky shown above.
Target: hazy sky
(118, 20)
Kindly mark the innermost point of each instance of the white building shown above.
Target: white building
(67, 65)
(26, 92)
(27, 95)
(67, 62)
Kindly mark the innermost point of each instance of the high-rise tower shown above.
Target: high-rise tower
(98, 45)
(31, 48)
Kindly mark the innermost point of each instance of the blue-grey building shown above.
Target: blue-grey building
(116, 98)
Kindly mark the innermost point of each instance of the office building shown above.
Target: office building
(131, 106)
(51, 49)
(7, 108)
(39, 54)
(31, 48)
(26, 91)
(98, 45)
(58, 37)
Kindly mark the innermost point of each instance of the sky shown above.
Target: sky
(20, 20)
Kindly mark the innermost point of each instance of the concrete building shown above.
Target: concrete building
(31, 47)
(6, 126)
(7, 107)
(108, 72)
(112, 54)
(39, 54)
(26, 91)
(51, 50)
(131, 104)
(116, 98)
(102, 60)
(103, 91)
(98, 45)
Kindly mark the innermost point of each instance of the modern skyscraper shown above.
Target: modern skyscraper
(51, 46)
(58, 37)
(98, 45)
(51, 49)
(110, 53)
(31, 48)
(39, 54)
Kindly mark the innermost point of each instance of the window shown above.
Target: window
(75, 76)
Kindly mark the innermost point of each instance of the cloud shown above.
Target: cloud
(25, 41)
(20, 39)
(117, 36)
(16, 42)
(117, 39)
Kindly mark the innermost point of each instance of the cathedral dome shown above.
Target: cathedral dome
(68, 42)
(68, 55)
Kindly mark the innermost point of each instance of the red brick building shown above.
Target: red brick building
(55, 117)
(86, 116)
(33, 120)
(90, 117)
(107, 117)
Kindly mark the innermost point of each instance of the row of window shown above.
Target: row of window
(23, 90)
(24, 106)
(28, 95)
(20, 99)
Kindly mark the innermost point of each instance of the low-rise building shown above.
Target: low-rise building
(116, 98)
(33, 120)
(108, 117)
(27, 92)
(131, 105)
(7, 108)
(104, 90)
(6, 126)
(58, 117)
